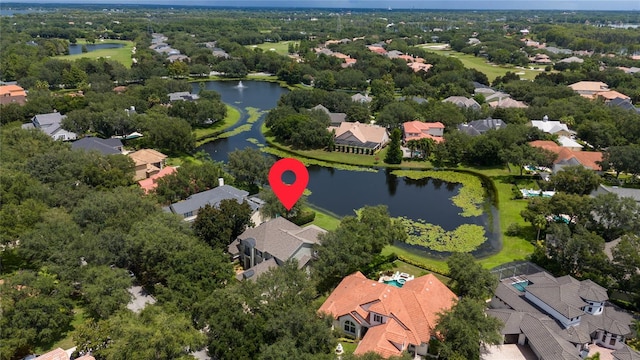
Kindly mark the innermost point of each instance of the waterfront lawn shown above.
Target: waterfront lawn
(204, 135)
(324, 220)
(122, 55)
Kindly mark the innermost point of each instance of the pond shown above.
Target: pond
(342, 191)
(75, 49)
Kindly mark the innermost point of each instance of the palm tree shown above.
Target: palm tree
(413, 145)
(426, 145)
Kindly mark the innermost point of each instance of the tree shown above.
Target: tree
(155, 333)
(395, 114)
(394, 153)
(575, 179)
(622, 159)
(325, 80)
(250, 166)
(272, 207)
(189, 179)
(355, 245)
(104, 290)
(470, 278)
(219, 226)
(466, 329)
(615, 215)
(35, 311)
(178, 69)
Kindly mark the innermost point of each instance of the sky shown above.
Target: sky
(633, 5)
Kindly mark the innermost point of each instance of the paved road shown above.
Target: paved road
(140, 299)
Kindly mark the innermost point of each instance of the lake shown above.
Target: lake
(342, 191)
(75, 49)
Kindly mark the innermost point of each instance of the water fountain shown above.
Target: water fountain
(240, 85)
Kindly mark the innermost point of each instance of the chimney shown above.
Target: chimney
(220, 181)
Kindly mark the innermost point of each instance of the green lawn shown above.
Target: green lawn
(325, 220)
(281, 47)
(205, 135)
(492, 71)
(122, 55)
(67, 341)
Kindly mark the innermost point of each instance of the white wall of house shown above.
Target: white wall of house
(549, 310)
(343, 320)
(594, 307)
(609, 340)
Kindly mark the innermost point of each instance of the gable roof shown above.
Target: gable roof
(361, 134)
(411, 311)
(211, 197)
(147, 156)
(105, 146)
(508, 103)
(612, 94)
(281, 238)
(57, 354)
(589, 86)
(478, 127)
(462, 101)
(420, 130)
(550, 126)
(566, 156)
(626, 353)
(361, 98)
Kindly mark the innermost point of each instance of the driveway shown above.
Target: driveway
(140, 298)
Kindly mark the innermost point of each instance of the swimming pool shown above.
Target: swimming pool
(395, 283)
(521, 285)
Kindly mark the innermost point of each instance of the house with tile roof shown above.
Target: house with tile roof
(12, 94)
(388, 320)
(272, 243)
(567, 157)
(589, 88)
(51, 124)
(354, 137)
(478, 127)
(147, 162)
(553, 127)
(415, 130)
(104, 146)
(508, 102)
(150, 183)
(189, 207)
(558, 317)
(463, 102)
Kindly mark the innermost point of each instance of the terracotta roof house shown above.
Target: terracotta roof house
(463, 102)
(541, 59)
(359, 138)
(388, 319)
(151, 182)
(478, 127)
(418, 66)
(189, 207)
(414, 130)
(12, 94)
(611, 94)
(552, 126)
(104, 146)
(57, 354)
(272, 243)
(589, 88)
(51, 124)
(558, 317)
(148, 162)
(566, 157)
(377, 49)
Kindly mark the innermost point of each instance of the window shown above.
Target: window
(612, 341)
(188, 214)
(377, 318)
(349, 327)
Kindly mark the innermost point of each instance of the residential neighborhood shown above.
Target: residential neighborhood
(471, 182)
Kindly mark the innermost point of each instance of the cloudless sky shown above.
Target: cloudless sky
(633, 5)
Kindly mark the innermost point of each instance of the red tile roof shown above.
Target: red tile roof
(588, 159)
(57, 354)
(414, 130)
(411, 311)
(150, 183)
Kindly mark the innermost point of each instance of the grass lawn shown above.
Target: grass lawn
(324, 219)
(205, 135)
(281, 47)
(122, 55)
(481, 64)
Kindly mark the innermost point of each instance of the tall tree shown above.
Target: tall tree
(575, 180)
(250, 166)
(394, 153)
(466, 329)
(219, 226)
(470, 278)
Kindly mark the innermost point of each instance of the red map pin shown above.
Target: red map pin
(288, 194)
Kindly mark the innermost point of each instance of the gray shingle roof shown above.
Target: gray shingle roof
(280, 237)
(626, 353)
(211, 197)
(104, 146)
(545, 342)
